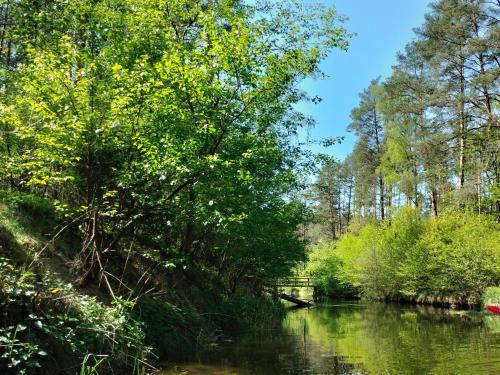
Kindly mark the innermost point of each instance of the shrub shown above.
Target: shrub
(453, 258)
(324, 265)
(491, 296)
(457, 256)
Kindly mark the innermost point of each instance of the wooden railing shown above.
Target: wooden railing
(295, 281)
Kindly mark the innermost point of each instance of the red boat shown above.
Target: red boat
(494, 309)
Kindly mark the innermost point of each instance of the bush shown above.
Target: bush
(457, 257)
(325, 266)
(450, 259)
(491, 296)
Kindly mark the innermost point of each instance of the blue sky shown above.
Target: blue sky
(383, 28)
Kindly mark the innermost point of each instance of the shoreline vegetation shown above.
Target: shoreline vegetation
(50, 322)
(451, 260)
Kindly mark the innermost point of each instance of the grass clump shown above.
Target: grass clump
(169, 330)
(259, 312)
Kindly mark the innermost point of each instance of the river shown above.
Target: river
(360, 338)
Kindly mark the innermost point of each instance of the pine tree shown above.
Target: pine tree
(367, 124)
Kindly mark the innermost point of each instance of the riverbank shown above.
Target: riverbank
(450, 260)
(52, 322)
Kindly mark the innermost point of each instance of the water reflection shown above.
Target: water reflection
(361, 339)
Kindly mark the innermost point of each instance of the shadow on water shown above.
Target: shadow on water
(356, 338)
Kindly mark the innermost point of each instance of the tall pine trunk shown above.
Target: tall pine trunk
(349, 205)
(434, 207)
(382, 197)
(462, 128)
(380, 179)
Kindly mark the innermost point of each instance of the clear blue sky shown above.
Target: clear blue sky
(383, 28)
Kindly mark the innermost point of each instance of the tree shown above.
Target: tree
(368, 126)
(170, 121)
(457, 40)
(416, 150)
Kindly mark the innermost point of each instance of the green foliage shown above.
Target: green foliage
(325, 265)
(173, 123)
(170, 330)
(44, 318)
(491, 296)
(452, 259)
(159, 137)
(19, 356)
(458, 255)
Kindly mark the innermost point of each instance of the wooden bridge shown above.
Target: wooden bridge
(293, 282)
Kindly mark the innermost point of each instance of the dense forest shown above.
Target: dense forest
(148, 159)
(413, 211)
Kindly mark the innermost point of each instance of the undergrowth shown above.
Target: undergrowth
(51, 325)
(47, 325)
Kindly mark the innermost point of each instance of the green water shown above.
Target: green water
(357, 338)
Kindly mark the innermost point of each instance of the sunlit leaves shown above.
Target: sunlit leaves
(172, 119)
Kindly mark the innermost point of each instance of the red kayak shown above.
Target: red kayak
(494, 309)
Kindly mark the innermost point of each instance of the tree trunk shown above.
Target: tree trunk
(382, 198)
(381, 180)
(332, 226)
(349, 205)
(462, 128)
(486, 93)
(389, 200)
(3, 35)
(339, 211)
(434, 207)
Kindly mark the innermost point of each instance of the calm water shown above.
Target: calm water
(352, 338)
